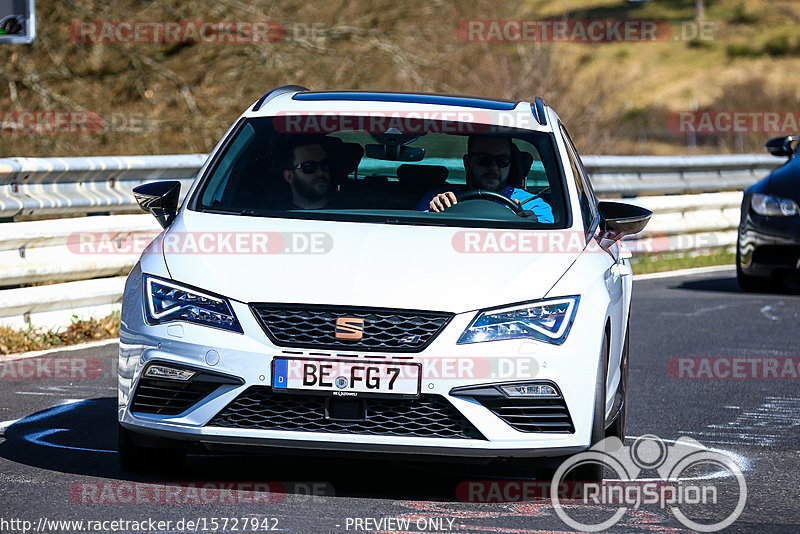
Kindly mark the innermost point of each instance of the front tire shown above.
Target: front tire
(593, 473)
(590, 472)
(750, 284)
(618, 427)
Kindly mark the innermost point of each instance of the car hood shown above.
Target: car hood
(254, 259)
(784, 181)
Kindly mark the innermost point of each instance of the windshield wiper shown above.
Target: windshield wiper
(415, 222)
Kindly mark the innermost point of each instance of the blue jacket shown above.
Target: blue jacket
(528, 201)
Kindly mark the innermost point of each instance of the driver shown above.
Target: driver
(487, 163)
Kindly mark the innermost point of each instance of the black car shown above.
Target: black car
(768, 247)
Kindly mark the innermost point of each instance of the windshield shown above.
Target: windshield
(361, 170)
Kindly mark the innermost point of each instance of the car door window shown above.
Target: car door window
(586, 196)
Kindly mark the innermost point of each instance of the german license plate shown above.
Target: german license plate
(346, 378)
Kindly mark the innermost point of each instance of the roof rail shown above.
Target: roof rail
(414, 98)
(269, 95)
(538, 111)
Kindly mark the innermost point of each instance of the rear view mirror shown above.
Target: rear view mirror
(781, 146)
(618, 219)
(392, 146)
(160, 199)
(395, 153)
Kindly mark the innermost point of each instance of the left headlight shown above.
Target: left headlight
(773, 206)
(167, 301)
(547, 320)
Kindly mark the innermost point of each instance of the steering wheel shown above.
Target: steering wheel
(482, 194)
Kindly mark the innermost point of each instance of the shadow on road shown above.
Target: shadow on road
(727, 284)
(730, 285)
(80, 438)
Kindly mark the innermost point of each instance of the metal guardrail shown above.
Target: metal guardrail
(634, 176)
(695, 200)
(64, 186)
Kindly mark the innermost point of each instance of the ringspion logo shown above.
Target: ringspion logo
(676, 487)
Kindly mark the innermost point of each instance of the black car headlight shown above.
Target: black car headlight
(546, 320)
(768, 205)
(168, 301)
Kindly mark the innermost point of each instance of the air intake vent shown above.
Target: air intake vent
(171, 397)
(429, 416)
(524, 412)
(532, 415)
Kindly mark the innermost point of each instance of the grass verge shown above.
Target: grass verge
(13, 340)
(671, 262)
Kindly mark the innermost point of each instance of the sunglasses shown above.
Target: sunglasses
(310, 167)
(484, 160)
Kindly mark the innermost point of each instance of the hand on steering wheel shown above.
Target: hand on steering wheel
(482, 194)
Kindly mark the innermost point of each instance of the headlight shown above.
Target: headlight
(167, 301)
(773, 206)
(546, 320)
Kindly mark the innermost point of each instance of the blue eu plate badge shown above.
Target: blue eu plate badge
(279, 373)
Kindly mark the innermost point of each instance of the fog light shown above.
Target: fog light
(171, 373)
(530, 390)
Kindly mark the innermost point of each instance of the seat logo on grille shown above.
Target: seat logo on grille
(349, 328)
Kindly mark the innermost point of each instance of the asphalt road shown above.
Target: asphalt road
(707, 362)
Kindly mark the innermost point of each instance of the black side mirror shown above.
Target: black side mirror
(781, 146)
(618, 219)
(160, 199)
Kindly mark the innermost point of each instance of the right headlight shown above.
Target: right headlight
(546, 320)
(768, 205)
(168, 301)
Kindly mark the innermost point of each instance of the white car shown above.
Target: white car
(310, 293)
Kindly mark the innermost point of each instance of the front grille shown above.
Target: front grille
(429, 416)
(292, 325)
(168, 397)
(531, 415)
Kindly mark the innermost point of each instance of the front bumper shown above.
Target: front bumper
(247, 359)
(769, 245)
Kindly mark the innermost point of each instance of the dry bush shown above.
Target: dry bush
(751, 95)
(13, 340)
(168, 98)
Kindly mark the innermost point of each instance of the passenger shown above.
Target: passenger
(307, 170)
(487, 164)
